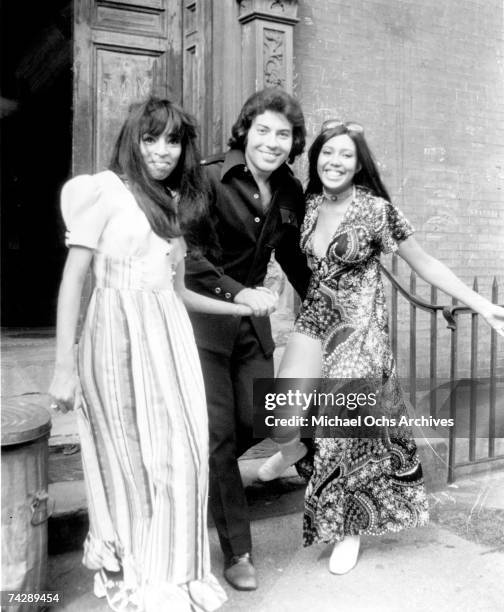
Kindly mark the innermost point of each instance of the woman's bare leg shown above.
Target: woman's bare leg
(302, 361)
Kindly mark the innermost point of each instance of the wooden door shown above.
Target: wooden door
(211, 88)
(123, 50)
(197, 63)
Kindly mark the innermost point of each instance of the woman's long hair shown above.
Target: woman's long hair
(151, 117)
(367, 176)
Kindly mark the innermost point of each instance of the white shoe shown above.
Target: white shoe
(344, 555)
(276, 465)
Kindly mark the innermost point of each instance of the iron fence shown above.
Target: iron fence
(478, 379)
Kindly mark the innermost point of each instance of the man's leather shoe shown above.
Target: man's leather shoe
(240, 573)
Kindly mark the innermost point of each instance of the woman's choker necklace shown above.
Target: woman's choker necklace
(338, 197)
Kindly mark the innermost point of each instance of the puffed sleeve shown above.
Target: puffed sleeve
(84, 211)
(390, 225)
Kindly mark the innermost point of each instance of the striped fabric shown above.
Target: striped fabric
(144, 437)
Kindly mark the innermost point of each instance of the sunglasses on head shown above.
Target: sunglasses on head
(330, 124)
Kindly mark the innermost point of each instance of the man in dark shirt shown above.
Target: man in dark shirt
(256, 207)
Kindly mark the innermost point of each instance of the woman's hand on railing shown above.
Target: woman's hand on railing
(494, 316)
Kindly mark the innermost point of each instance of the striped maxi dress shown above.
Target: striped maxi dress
(142, 419)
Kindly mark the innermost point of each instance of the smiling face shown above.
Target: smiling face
(269, 143)
(337, 163)
(160, 153)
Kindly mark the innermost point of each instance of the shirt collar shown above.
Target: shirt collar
(232, 159)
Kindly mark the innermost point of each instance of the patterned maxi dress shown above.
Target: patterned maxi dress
(143, 420)
(358, 485)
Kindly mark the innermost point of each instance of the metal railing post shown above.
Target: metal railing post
(393, 309)
(493, 378)
(433, 355)
(453, 399)
(473, 383)
(412, 359)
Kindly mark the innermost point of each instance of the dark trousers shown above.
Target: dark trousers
(228, 385)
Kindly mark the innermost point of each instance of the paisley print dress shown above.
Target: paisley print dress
(358, 485)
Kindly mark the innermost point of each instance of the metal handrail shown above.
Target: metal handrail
(448, 311)
(409, 296)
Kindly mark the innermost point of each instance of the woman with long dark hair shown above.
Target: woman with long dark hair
(136, 382)
(365, 480)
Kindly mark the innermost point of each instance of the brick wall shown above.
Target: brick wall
(426, 80)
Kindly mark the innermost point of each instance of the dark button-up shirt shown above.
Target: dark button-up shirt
(246, 234)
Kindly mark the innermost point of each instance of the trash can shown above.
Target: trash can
(25, 500)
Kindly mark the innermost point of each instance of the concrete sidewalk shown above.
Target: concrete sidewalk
(454, 564)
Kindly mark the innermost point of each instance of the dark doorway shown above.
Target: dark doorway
(36, 145)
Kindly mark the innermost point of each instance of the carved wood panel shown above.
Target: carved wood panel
(123, 50)
(274, 63)
(120, 79)
(267, 43)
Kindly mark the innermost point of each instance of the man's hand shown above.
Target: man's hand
(261, 300)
